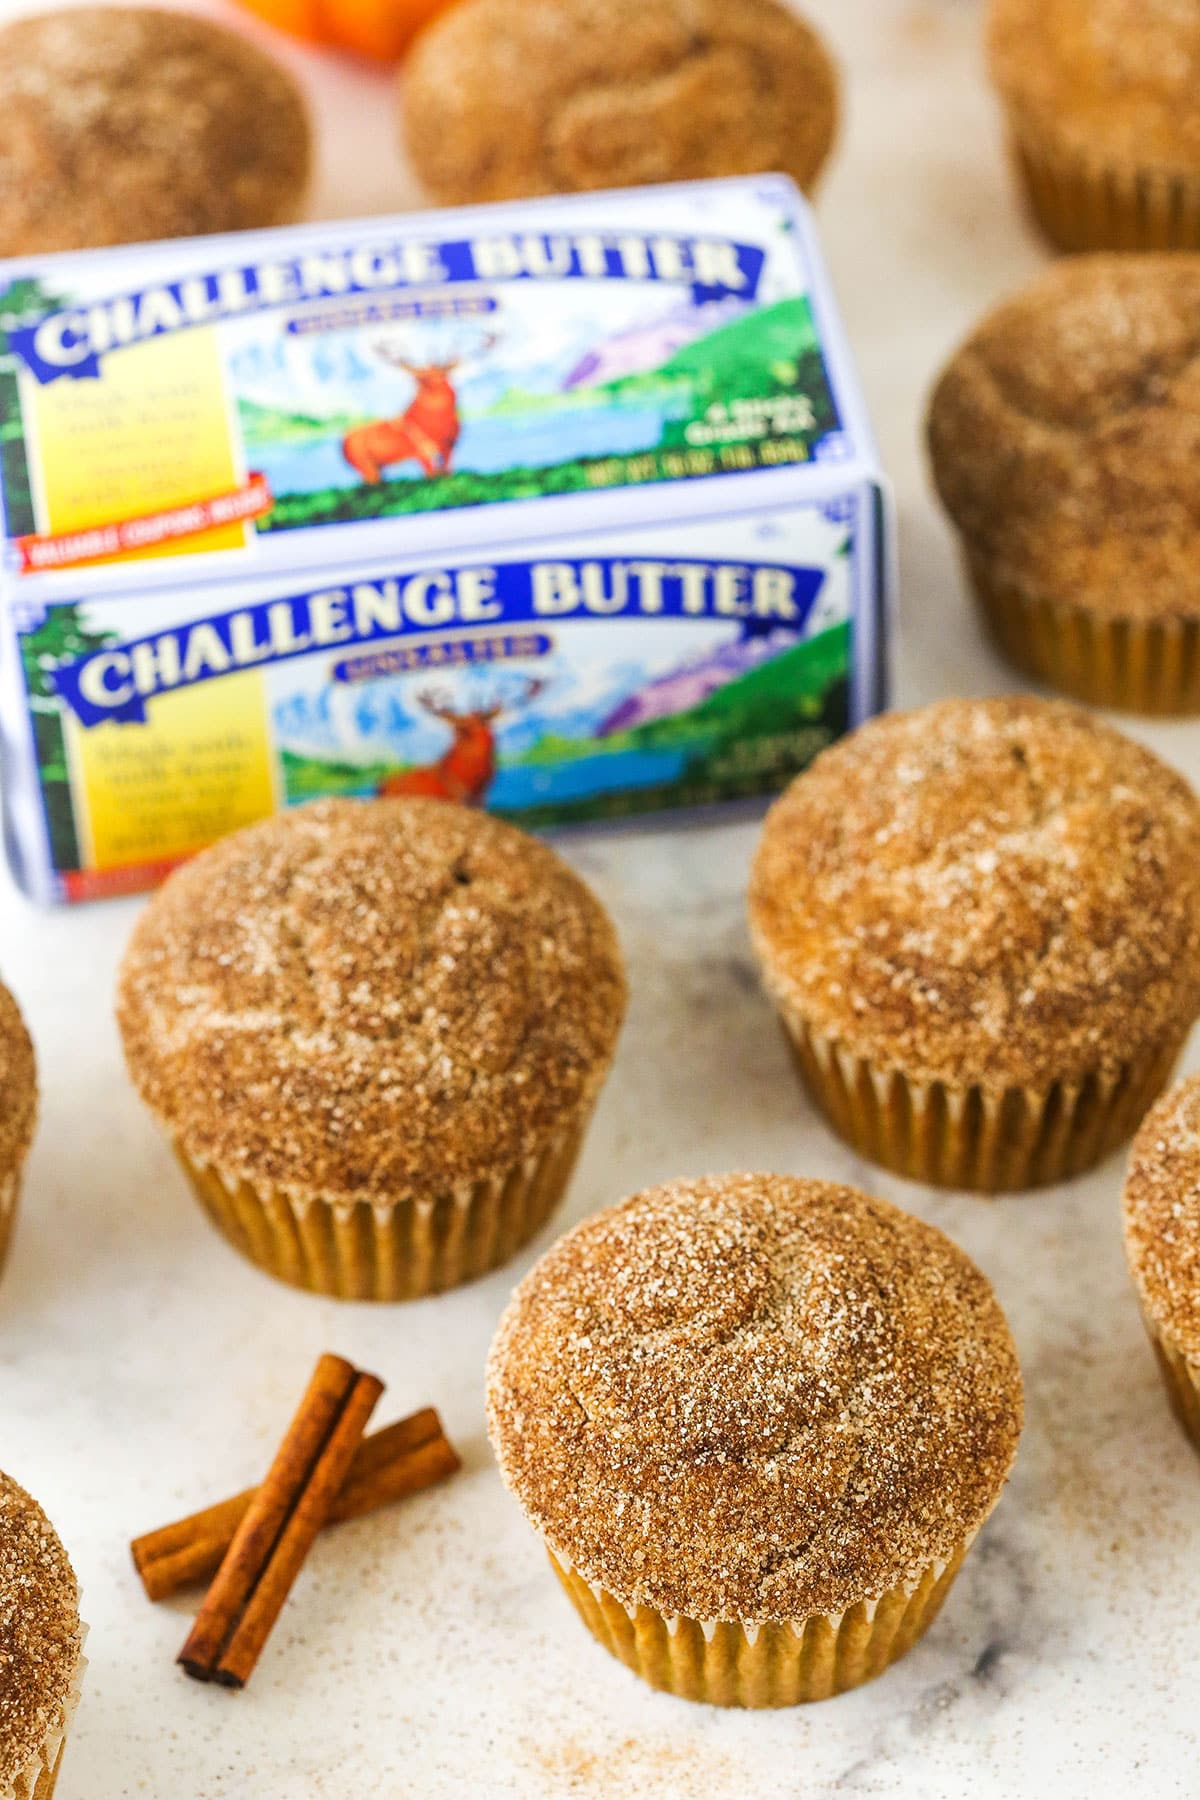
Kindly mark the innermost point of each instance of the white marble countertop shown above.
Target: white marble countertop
(428, 1651)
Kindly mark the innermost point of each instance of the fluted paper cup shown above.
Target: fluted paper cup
(388, 1252)
(1181, 1378)
(723, 1663)
(1147, 666)
(38, 1779)
(10, 1194)
(992, 1141)
(1082, 202)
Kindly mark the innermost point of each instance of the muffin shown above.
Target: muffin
(41, 1647)
(18, 1110)
(1162, 1241)
(375, 1032)
(1102, 99)
(504, 98)
(127, 123)
(757, 1423)
(980, 925)
(1064, 437)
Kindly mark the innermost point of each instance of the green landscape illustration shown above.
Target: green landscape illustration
(749, 735)
(752, 392)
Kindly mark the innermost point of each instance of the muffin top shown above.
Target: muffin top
(994, 893)
(18, 1087)
(504, 98)
(1117, 78)
(1162, 1216)
(41, 1640)
(1065, 435)
(754, 1398)
(127, 123)
(361, 1000)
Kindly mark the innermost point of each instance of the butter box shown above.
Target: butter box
(569, 508)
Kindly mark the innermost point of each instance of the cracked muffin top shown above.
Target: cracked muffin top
(1065, 435)
(994, 893)
(128, 123)
(754, 1398)
(361, 1000)
(505, 98)
(1117, 80)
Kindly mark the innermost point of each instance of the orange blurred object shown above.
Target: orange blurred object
(378, 28)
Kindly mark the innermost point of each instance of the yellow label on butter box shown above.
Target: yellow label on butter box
(200, 766)
(153, 435)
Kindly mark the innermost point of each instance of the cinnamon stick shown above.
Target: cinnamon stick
(401, 1459)
(280, 1525)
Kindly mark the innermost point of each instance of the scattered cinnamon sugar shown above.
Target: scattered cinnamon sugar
(1065, 434)
(998, 893)
(40, 1636)
(128, 123)
(504, 98)
(18, 1087)
(754, 1398)
(1116, 80)
(1162, 1217)
(632, 1766)
(369, 1000)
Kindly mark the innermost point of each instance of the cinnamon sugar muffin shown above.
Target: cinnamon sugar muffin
(41, 1647)
(980, 924)
(1162, 1241)
(504, 98)
(127, 123)
(375, 1032)
(757, 1423)
(1064, 436)
(1103, 106)
(18, 1110)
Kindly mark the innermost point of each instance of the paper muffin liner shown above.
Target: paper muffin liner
(774, 1664)
(1181, 1377)
(37, 1780)
(993, 1141)
(1084, 203)
(1149, 666)
(401, 1251)
(10, 1193)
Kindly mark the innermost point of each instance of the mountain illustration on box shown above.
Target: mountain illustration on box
(694, 391)
(649, 347)
(752, 715)
(687, 687)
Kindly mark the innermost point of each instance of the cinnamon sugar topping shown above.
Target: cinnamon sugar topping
(1000, 893)
(504, 98)
(754, 1398)
(41, 1640)
(1116, 79)
(371, 1000)
(1065, 435)
(18, 1087)
(123, 123)
(1162, 1217)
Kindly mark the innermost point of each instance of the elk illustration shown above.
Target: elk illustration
(426, 431)
(468, 768)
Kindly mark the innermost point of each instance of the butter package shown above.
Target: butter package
(569, 509)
